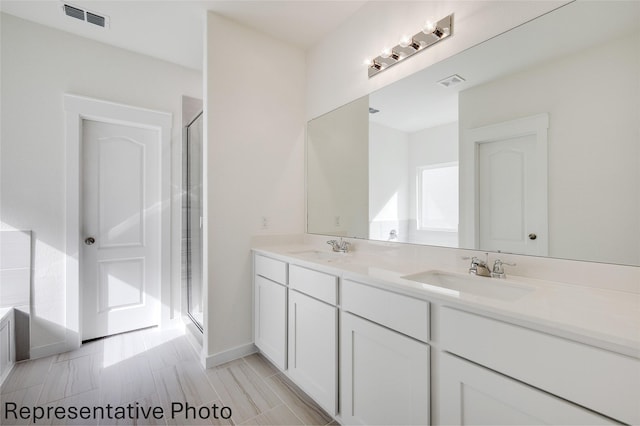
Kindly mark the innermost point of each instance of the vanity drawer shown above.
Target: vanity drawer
(275, 270)
(398, 312)
(316, 284)
(603, 381)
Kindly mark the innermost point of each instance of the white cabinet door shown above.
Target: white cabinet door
(271, 320)
(473, 395)
(384, 375)
(313, 348)
(6, 346)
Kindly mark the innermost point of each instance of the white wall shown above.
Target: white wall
(594, 173)
(388, 182)
(39, 65)
(335, 71)
(254, 106)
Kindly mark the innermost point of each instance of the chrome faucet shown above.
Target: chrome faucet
(480, 267)
(339, 246)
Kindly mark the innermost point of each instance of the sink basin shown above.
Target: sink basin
(456, 284)
(327, 256)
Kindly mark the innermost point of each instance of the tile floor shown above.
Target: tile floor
(155, 369)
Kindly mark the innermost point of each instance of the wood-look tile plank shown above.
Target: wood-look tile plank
(123, 346)
(71, 377)
(129, 379)
(299, 402)
(26, 397)
(156, 369)
(261, 365)
(27, 374)
(184, 382)
(162, 356)
(156, 336)
(242, 389)
(84, 399)
(164, 349)
(89, 348)
(185, 350)
(280, 415)
(230, 364)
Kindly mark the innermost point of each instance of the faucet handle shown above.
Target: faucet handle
(498, 268)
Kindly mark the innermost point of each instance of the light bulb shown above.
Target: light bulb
(429, 27)
(368, 62)
(386, 52)
(405, 41)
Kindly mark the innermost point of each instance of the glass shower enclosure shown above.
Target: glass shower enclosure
(192, 219)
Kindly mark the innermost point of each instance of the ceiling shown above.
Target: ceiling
(173, 30)
(418, 102)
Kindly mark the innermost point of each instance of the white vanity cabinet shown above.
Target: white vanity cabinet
(313, 335)
(7, 348)
(488, 368)
(270, 309)
(474, 395)
(384, 372)
(523, 376)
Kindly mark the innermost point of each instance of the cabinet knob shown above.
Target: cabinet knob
(532, 236)
(89, 241)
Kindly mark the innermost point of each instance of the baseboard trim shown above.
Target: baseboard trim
(229, 355)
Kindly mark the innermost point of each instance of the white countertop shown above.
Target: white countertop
(4, 311)
(609, 319)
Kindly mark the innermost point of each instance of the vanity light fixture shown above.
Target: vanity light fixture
(432, 32)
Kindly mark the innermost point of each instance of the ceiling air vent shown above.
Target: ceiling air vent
(451, 81)
(85, 15)
(95, 19)
(74, 12)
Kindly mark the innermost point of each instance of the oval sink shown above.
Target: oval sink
(493, 288)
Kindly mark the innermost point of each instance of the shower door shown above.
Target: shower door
(192, 220)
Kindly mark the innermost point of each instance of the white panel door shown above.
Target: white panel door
(121, 202)
(473, 395)
(507, 189)
(384, 375)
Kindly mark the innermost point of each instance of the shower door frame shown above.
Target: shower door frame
(187, 171)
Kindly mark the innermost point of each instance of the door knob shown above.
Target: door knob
(89, 241)
(532, 236)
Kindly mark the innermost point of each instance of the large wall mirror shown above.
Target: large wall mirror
(527, 143)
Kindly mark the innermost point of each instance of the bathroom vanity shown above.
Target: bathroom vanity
(7, 347)
(388, 337)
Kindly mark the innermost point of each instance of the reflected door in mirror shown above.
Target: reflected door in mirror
(507, 184)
